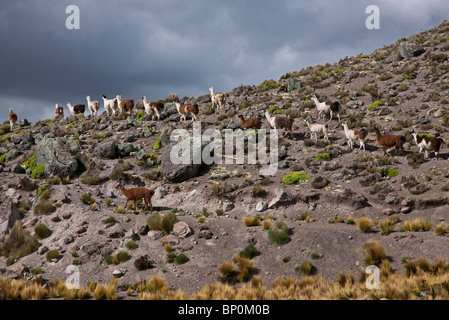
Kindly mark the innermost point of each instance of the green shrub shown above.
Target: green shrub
(3, 157)
(410, 76)
(30, 163)
(275, 110)
(323, 156)
(120, 257)
(157, 145)
(111, 219)
(306, 268)
(278, 233)
(86, 198)
(43, 206)
(163, 223)
(131, 245)
(294, 177)
(375, 105)
(38, 171)
(42, 188)
(139, 116)
(249, 252)
(181, 259)
(53, 254)
(42, 231)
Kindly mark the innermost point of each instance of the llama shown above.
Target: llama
(352, 135)
(59, 112)
(125, 105)
(253, 123)
(153, 108)
(327, 107)
(433, 144)
(316, 128)
(187, 110)
(12, 119)
(109, 105)
(218, 99)
(280, 123)
(78, 109)
(136, 194)
(93, 106)
(389, 141)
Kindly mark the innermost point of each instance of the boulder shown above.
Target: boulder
(179, 172)
(409, 50)
(56, 157)
(107, 150)
(28, 137)
(131, 234)
(181, 229)
(294, 84)
(9, 214)
(125, 149)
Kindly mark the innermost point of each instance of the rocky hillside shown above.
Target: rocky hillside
(60, 204)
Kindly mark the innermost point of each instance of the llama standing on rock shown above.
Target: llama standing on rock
(252, 123)
(59, 112)
(187, 110)
(12, 119)
(109, 105)
(389, 141)
(428, 143)
(78, 109)
(327, 107)
(353, 135)
(136, 194)
(218, 99)
(153, 108)
(316, 128)
(280, 123)
(93, 106)
(125, 105)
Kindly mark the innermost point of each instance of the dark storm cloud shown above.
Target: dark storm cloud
(152, 48)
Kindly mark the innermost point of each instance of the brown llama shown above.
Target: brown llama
(253, 123)
(389, 141)
(136, 194)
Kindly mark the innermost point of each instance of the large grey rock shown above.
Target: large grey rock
(16, 138)
(179, 172)
(56, 157)
(28, 137)
(294, 84)
(409, 50)
(9, 214)
(107, 150)
(125, 149)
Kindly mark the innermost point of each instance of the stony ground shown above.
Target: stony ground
(408, 77)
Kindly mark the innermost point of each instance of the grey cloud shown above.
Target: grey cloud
(152, 48)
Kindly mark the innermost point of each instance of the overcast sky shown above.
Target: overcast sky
(154, 47)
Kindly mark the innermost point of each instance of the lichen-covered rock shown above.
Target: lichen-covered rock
(56, 157)
(107, 150)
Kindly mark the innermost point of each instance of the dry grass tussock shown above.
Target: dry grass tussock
(422, 280)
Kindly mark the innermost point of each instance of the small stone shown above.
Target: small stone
(117, 273)
(406, 210)
(131, 234)
(66, 215)
(30, 223)
(155, 234)
(228, 206)
(388, 211)
(261, 206)
(81, 230)
(56, 219)
(42, 250)
(143, 230)
(69, 239)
